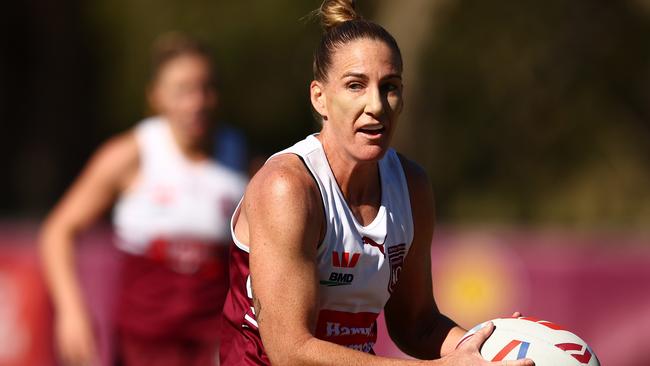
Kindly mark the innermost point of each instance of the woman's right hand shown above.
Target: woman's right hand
(74, 339)
(468, 354)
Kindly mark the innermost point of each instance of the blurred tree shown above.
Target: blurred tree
(538, 113)
(260, 48)
(413, 23)
(525, 112)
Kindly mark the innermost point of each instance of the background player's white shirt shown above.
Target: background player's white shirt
(172, 196)
(358, 266)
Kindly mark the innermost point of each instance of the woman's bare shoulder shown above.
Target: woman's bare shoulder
(282, 174)
(121, 148)
(285, 183)
(116, 160)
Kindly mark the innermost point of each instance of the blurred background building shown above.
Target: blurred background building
(532, 119)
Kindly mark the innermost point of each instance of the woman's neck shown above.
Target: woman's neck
(193, 149)
(359, 181)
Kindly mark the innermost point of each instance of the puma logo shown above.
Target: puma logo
(367, 240)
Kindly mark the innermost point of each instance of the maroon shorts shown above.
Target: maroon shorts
(160, 307)
(139, 352)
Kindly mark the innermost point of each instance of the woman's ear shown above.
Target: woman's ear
(317, 93)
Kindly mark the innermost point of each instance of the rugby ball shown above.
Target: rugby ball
(545, 343)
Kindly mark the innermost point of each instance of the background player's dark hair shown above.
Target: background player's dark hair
(171, 45)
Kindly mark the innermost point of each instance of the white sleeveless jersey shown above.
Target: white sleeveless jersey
(358, 266)
(172, 196)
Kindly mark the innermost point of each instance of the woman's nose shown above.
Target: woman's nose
(374, 103)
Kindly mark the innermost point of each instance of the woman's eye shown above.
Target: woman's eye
(355, 86)
(390, 87)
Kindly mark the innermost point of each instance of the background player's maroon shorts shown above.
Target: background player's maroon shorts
(162, 311)
(141, 352)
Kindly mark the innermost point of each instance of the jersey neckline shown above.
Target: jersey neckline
(382, 204)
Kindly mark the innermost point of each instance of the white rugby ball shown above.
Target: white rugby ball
(541, 341)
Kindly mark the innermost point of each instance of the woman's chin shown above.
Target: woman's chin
(371, 153)
(197, 129)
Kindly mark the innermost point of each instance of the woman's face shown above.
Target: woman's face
(361, 98)
(184, 93)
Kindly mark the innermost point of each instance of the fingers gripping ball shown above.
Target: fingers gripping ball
(541, 341)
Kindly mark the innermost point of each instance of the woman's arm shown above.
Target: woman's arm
(412, 316)
(90, 195)
(414, 322)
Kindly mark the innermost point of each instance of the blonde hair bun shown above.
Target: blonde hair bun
(335, 12)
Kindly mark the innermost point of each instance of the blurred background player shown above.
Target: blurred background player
(338, 227)
(172, 207)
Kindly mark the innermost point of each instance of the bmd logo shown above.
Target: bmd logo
(338, 279)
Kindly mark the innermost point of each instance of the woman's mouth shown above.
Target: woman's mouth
(372, 130)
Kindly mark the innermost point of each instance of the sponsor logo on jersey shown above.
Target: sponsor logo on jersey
(164, 195)
(353, 330)
(396, 255)
(337, 330)
(343, 259)
(372, 243)
(338, 279)
(364, 347)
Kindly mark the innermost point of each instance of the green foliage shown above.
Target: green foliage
(536, 112)
(262, 49)
(525, 112)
